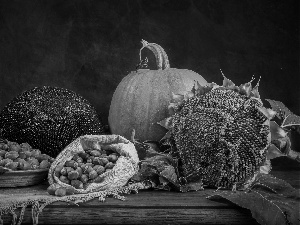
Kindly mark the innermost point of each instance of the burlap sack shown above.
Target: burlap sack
(126, 165)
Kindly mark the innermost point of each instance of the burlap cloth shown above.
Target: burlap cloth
(38, 197)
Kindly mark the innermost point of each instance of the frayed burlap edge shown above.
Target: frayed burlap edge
(39, 202)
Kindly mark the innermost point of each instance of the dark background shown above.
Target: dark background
(89, 46)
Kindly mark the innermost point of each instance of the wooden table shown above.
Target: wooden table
(147, 207)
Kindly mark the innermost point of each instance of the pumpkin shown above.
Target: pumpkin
(141, 99)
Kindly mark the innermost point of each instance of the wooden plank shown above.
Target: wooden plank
(144, 198)
(153, 199)
(146, 207)
(165, 199)
(124, 215)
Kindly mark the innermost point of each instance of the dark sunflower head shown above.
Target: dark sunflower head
(221, 133)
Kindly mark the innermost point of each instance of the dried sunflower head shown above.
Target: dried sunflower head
(221, 133)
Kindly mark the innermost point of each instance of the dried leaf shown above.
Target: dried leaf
(279, 186)
(163, 181)
(141, 150)
(164, 184)
(281, 110)
(276, 131)
(160, 159)
(167, 136)
(294, 155)
(201, 90)
(228, 83)
(271, 201)
(192, 186)
(254, 93)
(159, 170)
(145, 172)
(189, 95)
(3, 170)
(269, 113)
(145, 149)
(166, 123)
(266, 168)
(177, 98)
(282, 147)
(172, 109)
(246, 89)
(273, 152)
(153, 148)
(170, 175)
(285, 146)
(291, 120)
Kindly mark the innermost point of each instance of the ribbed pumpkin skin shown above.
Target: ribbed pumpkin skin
(142, 98)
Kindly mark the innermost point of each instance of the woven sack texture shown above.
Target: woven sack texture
(126, 165)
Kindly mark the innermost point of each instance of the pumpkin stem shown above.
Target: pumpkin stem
(161, 56)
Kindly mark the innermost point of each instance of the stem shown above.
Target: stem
(164, 56)
(284, 120)
(161, 56)
(289, 125)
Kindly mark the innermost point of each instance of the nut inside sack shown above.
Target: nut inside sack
(93, 163)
